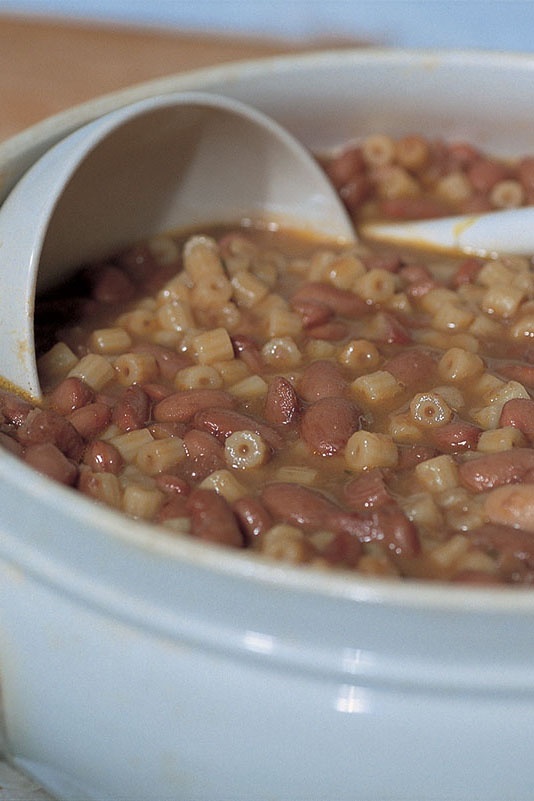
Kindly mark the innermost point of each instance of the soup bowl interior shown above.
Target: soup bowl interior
(138, 665)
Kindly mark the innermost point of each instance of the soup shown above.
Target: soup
(362, 409)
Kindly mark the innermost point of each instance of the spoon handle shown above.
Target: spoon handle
(508, 231)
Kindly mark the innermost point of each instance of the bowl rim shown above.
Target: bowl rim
(410, 594)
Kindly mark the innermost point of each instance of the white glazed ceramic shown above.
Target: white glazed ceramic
(177, 161)
(137, 667)
(489, 234)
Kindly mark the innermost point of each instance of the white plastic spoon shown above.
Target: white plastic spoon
(489, 234)
(166, 163)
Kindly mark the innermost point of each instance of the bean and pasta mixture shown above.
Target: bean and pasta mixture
(357, 408)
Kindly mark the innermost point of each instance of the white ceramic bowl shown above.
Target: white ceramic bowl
(134, 666)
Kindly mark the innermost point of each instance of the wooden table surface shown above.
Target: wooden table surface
(48, 65)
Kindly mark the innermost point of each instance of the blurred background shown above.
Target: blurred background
(488, 24)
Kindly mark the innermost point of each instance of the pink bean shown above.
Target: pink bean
(496, 469)
(344, 167)
(110, 284)
(164, 430)
(169, 361)
(132, 410)
(343, 550)
(9, 443)
(484, 173)
(456, 437)
(91, 420)
(519, 413)
(411, 455)
(504, 541)
(333, 331)
(223, 422)
(253, 518)
(248, 351)
(321, 379)
(212, 518)
(72, 393)
(103, 457)
(204, 455)
(390, 527)
(281, 403)
(367, 491)
(339, 301)
(172, 485)
(175, 506)
(328, 423)
(182, 406)
(48, 426)
(313, 314)
(49, 460)
(300, 506)
(411, 367)
(524, 373)
(13, 408)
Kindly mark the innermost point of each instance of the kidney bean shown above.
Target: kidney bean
(248, 351)
(91, 420)
(390, 330)
(503, 541)
(313, 314)
(49, 460)
(334, 331)
(525, 172)
(495, 469)
(343, 549)
(164, 430)
(321, 379)
(173, 507)
(412, 208)
(13, 408)
(328, 423)
(253, 518)
(168, 361)
(10, 444)
(300, 506)
(411, 367)
(467, 272)
(390, 262)
(200, 443)
(156, 392)
(411, 455)
(110, 284)
(367, 491)
(223, 422)
(182, 406)
(72, 393)
(511, 505)
(484, 173)
(45, 425)
(212, 518)
(519, 413)
(456, 437)
(477, 577)
(355, 191)
(312, 511)
(103, 457)
(477, 203)
(419, 280)
(390, 526)
(172, 485)
(524, 373)
(339, 301)
(345, 166)
(132, 410)
(281, 403)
